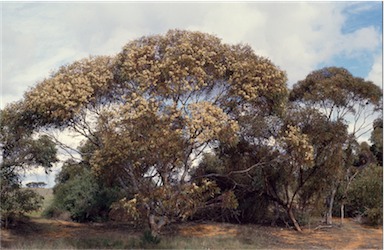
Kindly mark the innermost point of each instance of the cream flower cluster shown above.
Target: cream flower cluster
(71, 88)
(299, 146)
(209, 122)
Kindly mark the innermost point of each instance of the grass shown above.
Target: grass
(219, 242)
(173, 242)
(39, 233)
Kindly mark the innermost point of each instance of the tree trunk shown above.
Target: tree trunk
(328, 218)
(345, 194)
(293, 219)
(156, 223)
(277, 213)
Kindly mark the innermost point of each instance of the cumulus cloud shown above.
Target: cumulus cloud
(298, 37)
(362, 40)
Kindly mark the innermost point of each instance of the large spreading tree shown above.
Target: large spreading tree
(152, 110)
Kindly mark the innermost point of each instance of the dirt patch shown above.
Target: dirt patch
(208, 230)
(350, 235)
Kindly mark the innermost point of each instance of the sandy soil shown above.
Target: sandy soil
(350, 235)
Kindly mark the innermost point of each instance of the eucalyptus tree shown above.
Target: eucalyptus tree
(153, 109)
(341, 97)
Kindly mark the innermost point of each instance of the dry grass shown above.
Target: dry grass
(53, 234)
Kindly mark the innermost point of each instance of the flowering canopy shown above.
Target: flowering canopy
(157, 106)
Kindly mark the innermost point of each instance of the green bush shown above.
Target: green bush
(374, 216)
(16, 202)
(365, 196)
(82, 196)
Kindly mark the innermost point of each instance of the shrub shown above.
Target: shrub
(82, 196)
(17, 202)
(374, 216)
(365, 196)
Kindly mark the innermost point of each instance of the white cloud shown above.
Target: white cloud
(360, 41)
(358, 7)
(295, 36)
(376, 73)
(232, 22)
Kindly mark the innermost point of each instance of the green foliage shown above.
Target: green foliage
(365, 196)
(15, 202)
(20, 151)
(337, 87)
(76, 196)
(246, 189)
(78, 192)
(377, 140)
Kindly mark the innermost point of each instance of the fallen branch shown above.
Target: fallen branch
(322, 227)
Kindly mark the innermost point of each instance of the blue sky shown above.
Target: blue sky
(359, 16)
(299, 37)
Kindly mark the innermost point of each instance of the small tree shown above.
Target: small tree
(20, 152)
(82, 194)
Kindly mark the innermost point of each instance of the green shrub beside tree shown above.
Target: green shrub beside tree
(365, 197)
(79, 192)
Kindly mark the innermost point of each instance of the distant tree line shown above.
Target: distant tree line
(39, 184)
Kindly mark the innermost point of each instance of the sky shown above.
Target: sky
(298, 37)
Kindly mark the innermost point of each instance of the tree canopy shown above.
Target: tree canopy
(153, 109)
